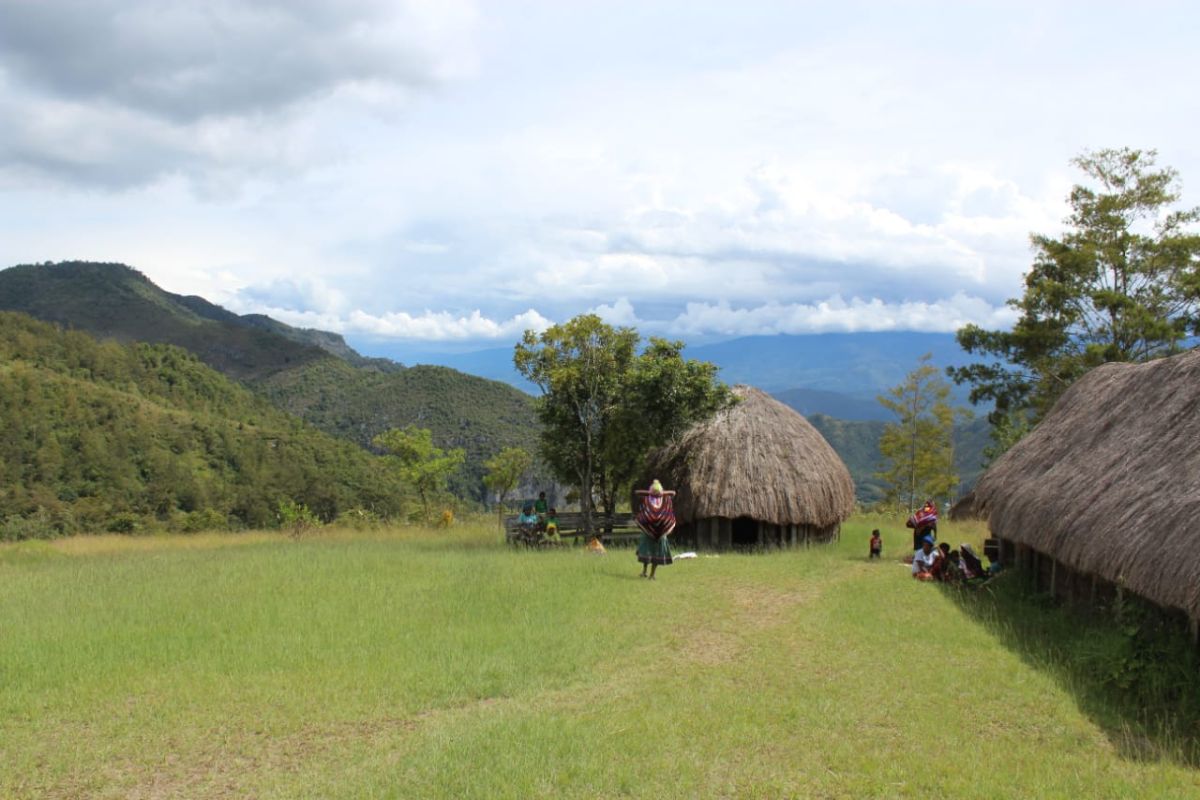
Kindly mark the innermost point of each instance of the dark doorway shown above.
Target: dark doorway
(745, 533)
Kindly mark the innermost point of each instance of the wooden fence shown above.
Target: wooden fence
(617, 529)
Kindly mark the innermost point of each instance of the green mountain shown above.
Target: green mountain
(313, 374)
(478, 415)
(857, 442)
(113, 301)
(101, 434)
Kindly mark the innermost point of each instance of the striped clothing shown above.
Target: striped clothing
(657, 515)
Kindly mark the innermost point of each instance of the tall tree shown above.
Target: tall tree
(421, 464)
(664, 394)
(504, 473)
(918, 448)
(1121, 284)
(604, 406)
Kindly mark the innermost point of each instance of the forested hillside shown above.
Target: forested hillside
(312, 374)
(97, 435)
(857, 442)
(476, 414)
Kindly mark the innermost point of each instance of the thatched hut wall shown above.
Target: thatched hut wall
(757, 473)
(1108, 484)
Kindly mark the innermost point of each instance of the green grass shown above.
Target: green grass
(409, 663)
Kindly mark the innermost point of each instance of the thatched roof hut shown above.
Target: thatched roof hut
(755, 474)
(964, 508)
(1108, 484)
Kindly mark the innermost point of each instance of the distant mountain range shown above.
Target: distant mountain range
(471, 400)
(839, 374)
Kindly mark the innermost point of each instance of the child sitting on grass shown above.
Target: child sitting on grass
(552, 527)
(876, 544)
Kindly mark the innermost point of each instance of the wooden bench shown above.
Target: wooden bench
(618, 529)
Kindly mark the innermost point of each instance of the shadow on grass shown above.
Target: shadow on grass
(1131, 668)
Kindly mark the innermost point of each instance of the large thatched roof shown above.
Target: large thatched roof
(759, 459)
(1109, 482)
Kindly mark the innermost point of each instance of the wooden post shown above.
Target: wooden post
(1194, 629)
(726, 533)
(1053, 577)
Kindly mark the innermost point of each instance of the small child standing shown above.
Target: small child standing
(876, 544)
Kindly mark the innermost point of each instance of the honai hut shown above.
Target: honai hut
(1104, 494)
(755, 475)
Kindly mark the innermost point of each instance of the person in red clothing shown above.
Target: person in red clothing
(938, 570)
(876, 544)
(656, 518)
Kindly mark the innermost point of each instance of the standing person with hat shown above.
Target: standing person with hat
(656, 518)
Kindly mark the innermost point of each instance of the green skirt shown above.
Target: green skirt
(654, 551)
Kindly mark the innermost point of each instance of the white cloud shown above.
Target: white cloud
(618, 313)
(697, 319)
(838, 315)
(764, 168)
(431, 326)
(119, 93)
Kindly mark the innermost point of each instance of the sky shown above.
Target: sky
(448, 173)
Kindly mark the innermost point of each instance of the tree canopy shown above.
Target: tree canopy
(504, 473)
(918, 448)
(420, 464)
(605, 405)
(1121, 284)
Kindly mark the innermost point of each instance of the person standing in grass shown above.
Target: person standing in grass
(656, 518)
(876, 544)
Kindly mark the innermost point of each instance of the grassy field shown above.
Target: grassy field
(410, 663)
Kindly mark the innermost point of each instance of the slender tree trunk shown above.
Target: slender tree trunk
(912, 453)
(585, 499)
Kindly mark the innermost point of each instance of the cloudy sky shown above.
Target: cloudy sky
(448, 172)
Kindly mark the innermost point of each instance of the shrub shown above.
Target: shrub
(296, 518)
(38, 525)
(124, 522)
(205, 519)
(359, 519)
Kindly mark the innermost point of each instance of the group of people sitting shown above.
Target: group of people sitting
(538, 523)
(937, 562)
(940, 563)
